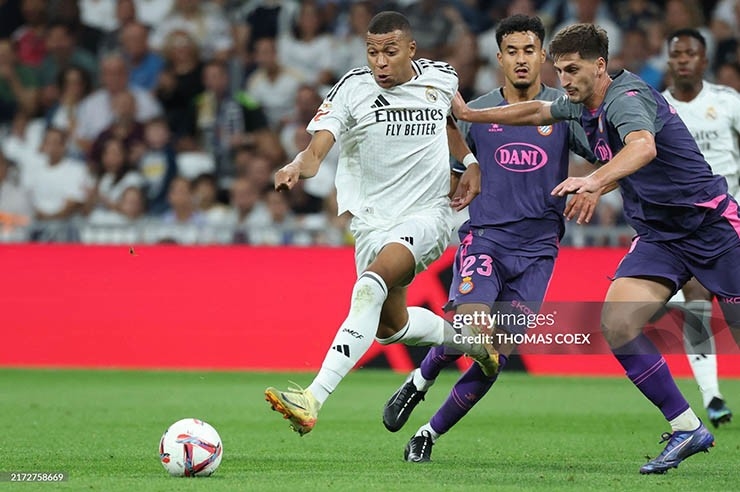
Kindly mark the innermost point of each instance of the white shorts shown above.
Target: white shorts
(426, 236)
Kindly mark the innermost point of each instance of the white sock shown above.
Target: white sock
(354, 336)
(428, 427)
(419, 381)
(687, 421)
(704, 367)
(700, 349)
(425, 328)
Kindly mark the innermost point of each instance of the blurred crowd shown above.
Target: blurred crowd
(126, 121)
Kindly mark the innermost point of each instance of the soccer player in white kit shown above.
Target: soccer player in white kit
(394, 177)
(712, 114)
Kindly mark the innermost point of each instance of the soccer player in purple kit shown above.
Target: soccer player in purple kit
(509, 244)
(686, 222)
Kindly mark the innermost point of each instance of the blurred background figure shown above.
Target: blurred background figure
(16, 210)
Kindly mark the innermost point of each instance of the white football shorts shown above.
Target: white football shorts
(426, 236)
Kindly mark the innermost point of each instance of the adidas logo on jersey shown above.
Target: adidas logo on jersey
(342, 349)
(408, 239)
(380, 102)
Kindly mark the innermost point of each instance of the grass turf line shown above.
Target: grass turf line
(103, 428)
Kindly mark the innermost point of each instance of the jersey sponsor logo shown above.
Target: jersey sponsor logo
(544, 130)
(520, 157)
(466, 286)
(431, 94)
(602, 151)
(380, 101)
(495, 128)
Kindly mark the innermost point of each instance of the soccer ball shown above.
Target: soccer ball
(190, 448)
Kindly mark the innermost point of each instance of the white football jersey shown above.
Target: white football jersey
(713, 118)
(394, 156)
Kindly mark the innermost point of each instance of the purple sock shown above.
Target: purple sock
(468, 390)
(436, 359)
(647, 370)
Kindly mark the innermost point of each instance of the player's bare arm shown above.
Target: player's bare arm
(522, 114)
(583, 205)
(306, 163)
(638, 151)
(467, 187)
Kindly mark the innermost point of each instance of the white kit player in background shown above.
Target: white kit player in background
(391, 120)
(712, 114)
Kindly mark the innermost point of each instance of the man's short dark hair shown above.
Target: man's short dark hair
(587, 40)
(688, 32)
(520, 23)
(389, 21)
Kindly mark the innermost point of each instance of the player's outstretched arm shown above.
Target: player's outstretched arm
(638, 151)
(467, 187)
(522, 114)
(306, 163)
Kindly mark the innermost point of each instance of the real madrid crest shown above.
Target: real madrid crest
(711, 113)
(431, 94)
(466, 286)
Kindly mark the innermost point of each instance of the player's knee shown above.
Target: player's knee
(619, 326)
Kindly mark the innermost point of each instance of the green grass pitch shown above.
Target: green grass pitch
(529, 433)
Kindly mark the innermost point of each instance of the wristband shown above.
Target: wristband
(468, 160)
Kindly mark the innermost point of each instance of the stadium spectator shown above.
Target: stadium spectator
(67, 12)
(183, 209)
(58, 187)
(712, 115)
(124, 127)
(29, 39)
(394, 241)
(180, 82)
(248, 212)
(144, 66)
(206, 191)
(636, 14)
(308, 47)
(635, 57)
(61, 52)
(158, 165)
(16, 210)
(349, 49)
(204, 21)
(73, 85)
(643, 142)
(18, 86)
(125, 12)
(441, 21)
(125, 225)
(115, 176)
(729, 74)
(273, 85)
(226, 121)
(283, 228)
(96, 110)
(596, 12)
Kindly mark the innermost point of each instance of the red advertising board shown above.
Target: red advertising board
(229, 307)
